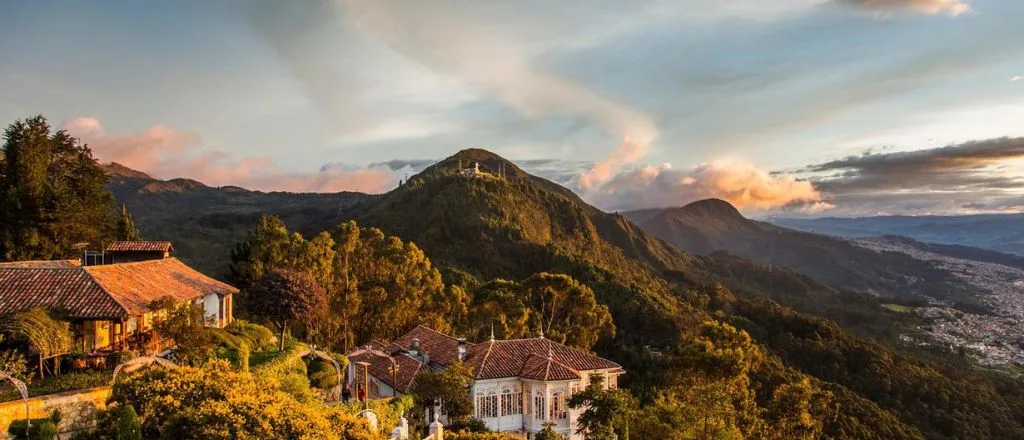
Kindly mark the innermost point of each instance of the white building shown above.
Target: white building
(519, 385)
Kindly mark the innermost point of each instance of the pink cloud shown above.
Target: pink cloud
(166, 153)
(740, 183)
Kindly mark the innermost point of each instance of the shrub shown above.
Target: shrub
(322, 374)
(126, 422)
(216, 402)
(259, 337)
(388, 410)
(296, 385)
(471, 424)
(14, 363)
(60, 384)
(466, 435)
(42, 429)
(119, 357)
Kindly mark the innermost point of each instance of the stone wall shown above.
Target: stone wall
(77, 408)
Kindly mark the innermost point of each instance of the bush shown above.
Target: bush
(322, 374)
(42, 429)
(259, 337)
(388, 410)
(215, 402)
(119, 357)
(60, 384)
(126, 422)
(296, 385)
(471, 424)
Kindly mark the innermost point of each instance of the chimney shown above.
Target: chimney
(462, 349)
(414, 347)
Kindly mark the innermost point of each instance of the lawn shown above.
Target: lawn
(898, 308)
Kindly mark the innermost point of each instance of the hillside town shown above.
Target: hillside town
(995, 339)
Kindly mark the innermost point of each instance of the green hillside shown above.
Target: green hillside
(508, 224)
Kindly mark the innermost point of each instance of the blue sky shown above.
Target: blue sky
(739, 100)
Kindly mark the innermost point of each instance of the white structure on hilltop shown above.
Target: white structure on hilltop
(519, 384)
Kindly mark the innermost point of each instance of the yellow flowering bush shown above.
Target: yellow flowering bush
(216, 402)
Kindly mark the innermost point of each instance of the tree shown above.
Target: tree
(266, 248)
(185, 324)
(559, 305)
(450, 387)
(126, 226)
(548, 433)
(287, 296)
(606, 413)
(52, 194)
(798, 410)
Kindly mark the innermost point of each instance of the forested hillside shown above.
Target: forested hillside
(508, 224)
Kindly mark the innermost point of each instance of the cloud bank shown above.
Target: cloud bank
(932, 7)
(166, 153)
(739, 183)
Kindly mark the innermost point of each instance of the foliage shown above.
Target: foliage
(606, 413)
(284, 296)
(548, 433)
(59, 384)
(126, 422)
(185, 324)
(388, 411)
(42, 429)
(13, 363)
(259, 337)
(377, 286)
(450, 386)
(126, 230)
(565, 310)
(53, 194)
(120, 357)
(322, 374)
(48, 336)
(215, 402)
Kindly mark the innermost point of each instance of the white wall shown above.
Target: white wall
(211, 308)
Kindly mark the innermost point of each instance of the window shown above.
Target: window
(511, 401)
(558, 405)
(486, 405)
(539, 406)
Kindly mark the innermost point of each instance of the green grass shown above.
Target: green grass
(898, 308)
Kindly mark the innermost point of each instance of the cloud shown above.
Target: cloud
(931, 7)
(1016, 78)
(740, 183)
(455, 45)
(167, 153)
(963, 167)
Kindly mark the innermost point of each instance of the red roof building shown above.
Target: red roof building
(108, 304)
(519, 384)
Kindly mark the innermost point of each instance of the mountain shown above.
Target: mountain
(506, 223)
(712, 225)
(205, 222)
(996, 232)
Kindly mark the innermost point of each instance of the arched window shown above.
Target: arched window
(511, 401)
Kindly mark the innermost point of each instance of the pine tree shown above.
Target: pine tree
(126, 230)
(53, 194)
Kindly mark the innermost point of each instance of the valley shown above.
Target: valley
(994, 339)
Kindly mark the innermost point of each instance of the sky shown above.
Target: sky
(782, 107)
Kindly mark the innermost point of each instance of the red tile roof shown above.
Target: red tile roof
(140, 246)
(506, 358)
(69, 289)
(136, 285)
(380, 367)
(43, 263)
(111, 291)
(542, 368)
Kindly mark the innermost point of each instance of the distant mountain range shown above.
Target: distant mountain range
(713, 225)
(511, 224)
(997, 232)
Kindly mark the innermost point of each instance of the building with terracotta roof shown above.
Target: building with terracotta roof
(125, 251)
(519, 384)
(109, 305)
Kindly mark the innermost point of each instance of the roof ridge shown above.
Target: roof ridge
(483, 361)
(413, 378)
(104, 290)
(435, 331)
(137, 263)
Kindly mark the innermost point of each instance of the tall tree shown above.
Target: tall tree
(606, 412)
(185, 324)
(52, 194)
(266, 248)
(126, 230)
(287, 296)
(563, 308)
